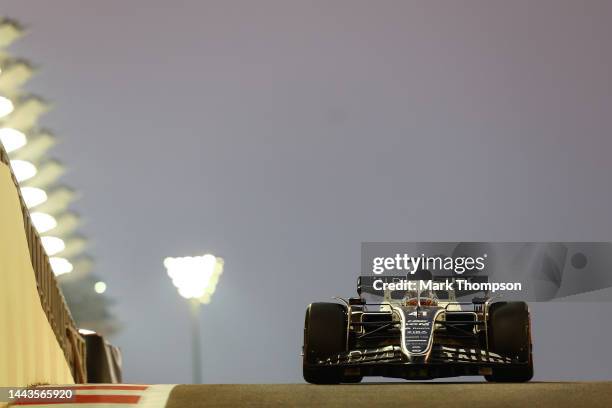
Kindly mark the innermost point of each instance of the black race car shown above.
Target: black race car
(416, 334)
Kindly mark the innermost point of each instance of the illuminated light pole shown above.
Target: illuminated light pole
(38, 143)
(33, 196)
(60, 266)
(6, 106)
(47, 175)
(57, 200)
(196, 279)
(12, 139)
(23, 170)
(25, 112)
(100, 287)
(43, 222)
(53, 245)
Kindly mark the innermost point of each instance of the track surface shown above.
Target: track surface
(473, 395)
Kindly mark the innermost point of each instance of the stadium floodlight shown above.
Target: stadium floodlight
(196, 279)
(26, 112)
(33, 196)
(53, 245)
(23, 170)
(100, 287)
(43, 222)
(58, 200)
(6, 106)
(47, 175)
(12, 139)
(60, 266)
(38, 144)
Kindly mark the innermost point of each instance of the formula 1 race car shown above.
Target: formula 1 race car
(415, 335)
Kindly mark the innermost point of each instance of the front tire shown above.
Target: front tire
(509, 333)
(355, 379)
(325, 336)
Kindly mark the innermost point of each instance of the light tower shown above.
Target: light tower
(196, 279)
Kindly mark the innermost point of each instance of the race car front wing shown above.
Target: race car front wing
(444, 361)
(393, 354)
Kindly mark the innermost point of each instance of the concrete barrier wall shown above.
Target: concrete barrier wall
(29, 349)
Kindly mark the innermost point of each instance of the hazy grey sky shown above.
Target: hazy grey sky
(282, 134)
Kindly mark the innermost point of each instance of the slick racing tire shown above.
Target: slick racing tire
(509, 333)
(353, 379)
(325, 334)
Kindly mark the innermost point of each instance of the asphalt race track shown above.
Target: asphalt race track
(474, 395)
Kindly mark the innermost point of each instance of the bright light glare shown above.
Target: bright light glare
(12, 139)
(23, 170)
(195, 277)
(43, 222)
(100, 287)
(60, 266)
(86, 331)
(6, 106)
(53, 245)
(33, 196)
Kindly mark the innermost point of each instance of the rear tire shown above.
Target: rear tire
(509, 332)
(325, 328)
